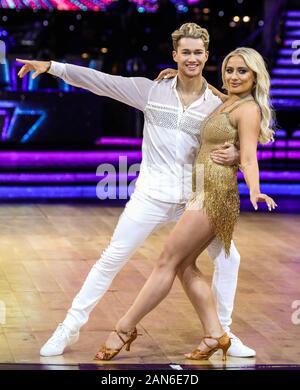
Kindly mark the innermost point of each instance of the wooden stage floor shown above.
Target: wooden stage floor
(47, 250)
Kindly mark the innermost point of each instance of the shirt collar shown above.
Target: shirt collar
(206, 92)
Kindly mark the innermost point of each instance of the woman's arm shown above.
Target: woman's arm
(248, 120)
(218, 93)
(248, 127)
(169, 73)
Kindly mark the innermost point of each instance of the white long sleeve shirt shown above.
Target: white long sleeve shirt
(171, 136)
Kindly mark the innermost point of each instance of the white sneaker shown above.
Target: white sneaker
(238, 349)
(61, 338)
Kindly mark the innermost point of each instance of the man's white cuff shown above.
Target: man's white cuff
(56, 69)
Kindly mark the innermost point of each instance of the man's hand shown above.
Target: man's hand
(37, 66)
(228, 155)
(168, 73)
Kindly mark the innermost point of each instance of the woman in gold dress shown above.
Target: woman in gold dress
(213, 208)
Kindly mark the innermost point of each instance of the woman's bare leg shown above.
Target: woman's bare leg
(192, 233)
(200, 295)
(190, 236)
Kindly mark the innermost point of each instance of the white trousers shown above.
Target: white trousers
(141, 216)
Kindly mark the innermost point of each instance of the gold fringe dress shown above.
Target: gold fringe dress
(215, 186)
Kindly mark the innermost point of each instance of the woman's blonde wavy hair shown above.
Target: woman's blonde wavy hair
(260, 91)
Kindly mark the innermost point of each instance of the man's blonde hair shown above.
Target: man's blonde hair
(190, 30)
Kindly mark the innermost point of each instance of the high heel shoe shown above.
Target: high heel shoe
(223, 343)
(105, 353)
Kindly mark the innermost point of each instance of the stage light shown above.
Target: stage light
(232, 24)
(182, 8)
(206, 10)
(4, 18)
(236, 19)
(71, 27)
(141, 10)
(84, 55)
(145, 48)
(246, 19)
(261, 23)
(78, 17)
(104, 50)
(45, 23)
(221, 14)
(240, 1)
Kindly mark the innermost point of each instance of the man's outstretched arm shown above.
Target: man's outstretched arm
(132, 91)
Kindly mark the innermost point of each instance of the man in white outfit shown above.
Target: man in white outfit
(170, 142)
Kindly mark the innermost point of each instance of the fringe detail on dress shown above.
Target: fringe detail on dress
(221, 201)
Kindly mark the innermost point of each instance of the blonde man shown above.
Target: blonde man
(174, 111)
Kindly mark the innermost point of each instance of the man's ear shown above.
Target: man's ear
(174, 52)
